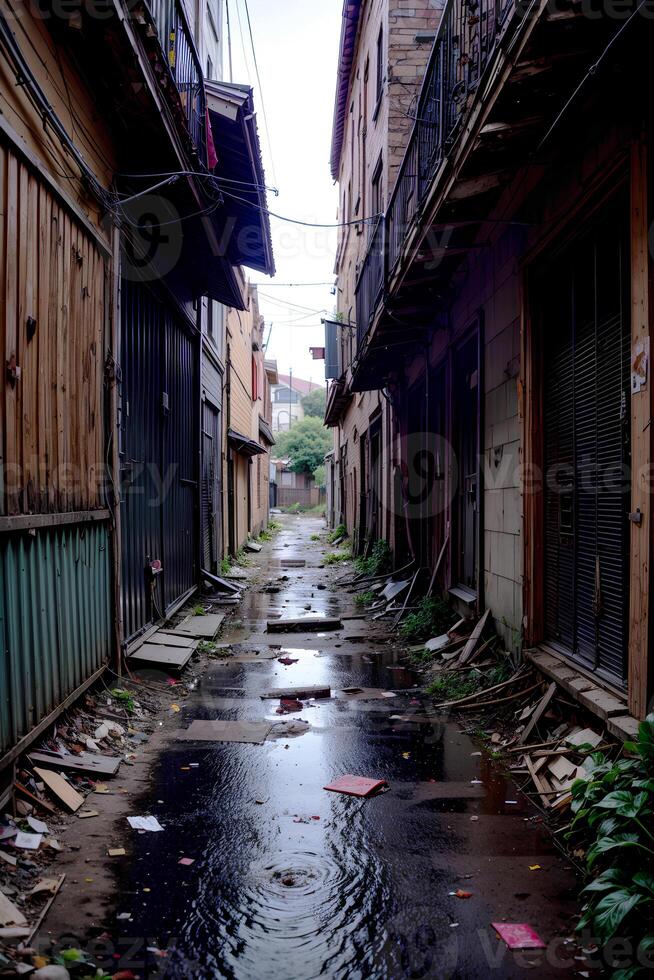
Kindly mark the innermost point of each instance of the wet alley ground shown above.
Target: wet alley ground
(291, 881)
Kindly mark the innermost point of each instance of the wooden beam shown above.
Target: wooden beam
(641, 435)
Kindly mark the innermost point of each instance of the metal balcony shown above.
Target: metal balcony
(467, 39)
(177, 43)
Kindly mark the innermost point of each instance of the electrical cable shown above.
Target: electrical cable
(204, 173)
(591, 71)
(263, 105)
(290, 305)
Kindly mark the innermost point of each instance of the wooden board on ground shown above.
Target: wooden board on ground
(166, 657)
(167, 639)
(201, 627)
(310, 624)
(538, 713)
(96, 765)
(363, 694)
(301, 693)
(250, 732)
(293, 563)
(475, 637)
(63, 791)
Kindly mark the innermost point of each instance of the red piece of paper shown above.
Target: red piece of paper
(356, 786)
(518, 935)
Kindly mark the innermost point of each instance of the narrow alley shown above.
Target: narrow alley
(291, 880)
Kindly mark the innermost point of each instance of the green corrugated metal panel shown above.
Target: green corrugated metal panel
(55, 620)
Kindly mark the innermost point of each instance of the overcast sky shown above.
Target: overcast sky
(296, 43)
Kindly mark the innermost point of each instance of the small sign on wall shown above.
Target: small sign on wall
(639, 365)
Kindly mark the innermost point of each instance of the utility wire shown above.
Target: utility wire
(263, 105)
(229, 42)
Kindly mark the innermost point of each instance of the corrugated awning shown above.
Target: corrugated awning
(244, 445)
(244, 218)
(266, 432)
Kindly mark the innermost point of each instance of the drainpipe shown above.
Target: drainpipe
(231, 528)
(199, 449)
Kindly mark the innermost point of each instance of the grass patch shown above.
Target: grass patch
(451, 687)
(379, 562)
(226, 566)
(266, 535)
(315, 537)
(433, 617)
(242, 560)
(334, 557)
(274, 527)
(364, 598)
(197, 610)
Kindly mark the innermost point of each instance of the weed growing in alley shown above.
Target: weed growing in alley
(433, 617)
(226, 566)
(315, 537)
(379, 562)
(339, 532)
(125, 699)
(206, 646)
(451, 687)
(274, 527)
(198, 610)
(613, 809)
(242, 560)
(364, 598)
(333, 557)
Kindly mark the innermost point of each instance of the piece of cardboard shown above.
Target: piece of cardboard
(356, 786)
(249, 732)
(64, 792)
(518, 935)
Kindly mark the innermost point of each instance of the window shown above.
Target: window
(377, 196)
(215, 324)
(255, 379)
(380, 66)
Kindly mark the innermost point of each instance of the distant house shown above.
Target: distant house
(287, 400)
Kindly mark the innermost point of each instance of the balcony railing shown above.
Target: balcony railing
(176, 40)
(370, 283)
(466, 40)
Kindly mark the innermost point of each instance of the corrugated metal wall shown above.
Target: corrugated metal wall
(55, 620)
(158, 456)
(55, 578)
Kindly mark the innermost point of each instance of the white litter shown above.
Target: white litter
(28, 842)
(145, 823)
(38, 826)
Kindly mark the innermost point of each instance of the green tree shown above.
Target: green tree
(314, 403)
(305, 446)
(320, 475)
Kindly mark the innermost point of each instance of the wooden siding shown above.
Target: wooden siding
(52, 425)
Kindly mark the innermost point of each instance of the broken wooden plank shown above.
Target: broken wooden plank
(407, 597)
(158, 655)
(293, 563)
(167, 639)
(301, 693)
(64, 792)
(46, 908)
(220, 730)
(541, 786)
(97, 765)
(201, 627)
(438, 564)
(34, 800)
(310, 624)
(475, 637)
(218, 582)
(538, 713)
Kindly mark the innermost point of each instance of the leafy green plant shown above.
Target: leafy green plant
(125, 699)
(364, 598)
(198, 610)
(266, 535)
(450, 687)
(274, 527)
(339, 532)
(206, 646)
(333, 557)
(380, 561)
(242, 560)
(613, 809)
(433, 617)
(226, 566)
(315, 537)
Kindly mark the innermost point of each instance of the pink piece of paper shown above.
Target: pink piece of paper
(187, 862)
(518, 935)
(356, 785)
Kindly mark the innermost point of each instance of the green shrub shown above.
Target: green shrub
(451, 687)
(365, 598)
(433, 617)
(338, 532)
(225, 566)
(380, 561)
(613, 807)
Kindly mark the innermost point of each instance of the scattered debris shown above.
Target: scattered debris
(309, 624)
(518, 935)
(219, 730)
(287, 661)
(64, 792)
(357, 786)
(146, 824)
(298, 693)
